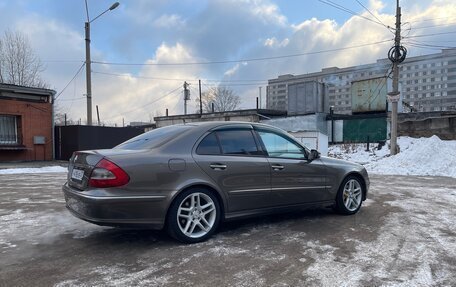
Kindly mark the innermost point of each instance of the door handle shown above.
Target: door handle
(218, 166)
(277, 167)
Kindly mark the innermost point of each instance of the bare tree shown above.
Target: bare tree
(18, 63)
(223, 99)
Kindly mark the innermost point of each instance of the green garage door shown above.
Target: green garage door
(357, 130)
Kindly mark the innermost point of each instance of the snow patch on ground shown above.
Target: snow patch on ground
(418, 156)
(45, 169)
(41, 227)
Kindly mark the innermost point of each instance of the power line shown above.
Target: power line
(426, 20)
(72, 99)
(62, 61)
(428, 35)
(380, 21)
(340, 7)
(241, 60)
(429, 45)
(176, 79)
(75, 75)
(432, 26)
(154, 101)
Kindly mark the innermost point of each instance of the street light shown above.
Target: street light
(88, 61)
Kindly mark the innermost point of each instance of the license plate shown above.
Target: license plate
(77, 174)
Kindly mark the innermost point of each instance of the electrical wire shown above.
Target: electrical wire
(373, 15)
(143, 106)
(432, 26)
(429, 35)
(242, 60)
(340, 7)
(177, 79)
(66, 86)
(386, 76)
(426, 20)
(418, 43)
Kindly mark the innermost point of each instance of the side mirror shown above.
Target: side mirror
(314, 154)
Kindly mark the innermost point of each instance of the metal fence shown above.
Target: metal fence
(69, 139)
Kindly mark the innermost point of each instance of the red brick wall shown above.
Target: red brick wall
(36, 120)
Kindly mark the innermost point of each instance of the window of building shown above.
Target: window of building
(9, 130)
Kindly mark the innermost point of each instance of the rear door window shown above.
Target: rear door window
(238, 142)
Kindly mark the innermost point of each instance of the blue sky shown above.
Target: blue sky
(159, 31)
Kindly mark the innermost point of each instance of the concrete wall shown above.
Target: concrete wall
(35, 120)
(427, 124)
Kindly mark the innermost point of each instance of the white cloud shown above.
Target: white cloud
(274, 43)
(268, 12)
(169, 21)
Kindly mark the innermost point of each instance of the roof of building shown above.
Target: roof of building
(9, 91)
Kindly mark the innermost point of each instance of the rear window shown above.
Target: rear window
(153, 138)
(209, 145)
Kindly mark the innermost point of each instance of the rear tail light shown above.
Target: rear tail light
(108, 174)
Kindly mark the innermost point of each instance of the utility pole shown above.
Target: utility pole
(260, 96)
(396, 55)
(88, 74)
(186, 96)
(201, 99)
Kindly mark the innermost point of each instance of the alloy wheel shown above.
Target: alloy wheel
(352, 195)
(196, 215)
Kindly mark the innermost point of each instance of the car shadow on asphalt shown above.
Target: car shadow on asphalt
(277, 219)
(150, 238)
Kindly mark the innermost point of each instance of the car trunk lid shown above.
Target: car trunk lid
(80, 167)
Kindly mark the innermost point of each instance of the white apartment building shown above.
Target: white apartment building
(428, 83)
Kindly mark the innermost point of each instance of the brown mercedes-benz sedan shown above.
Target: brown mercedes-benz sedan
(190, 177)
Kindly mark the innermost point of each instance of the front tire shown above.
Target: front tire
(193, 216)
(350, 196)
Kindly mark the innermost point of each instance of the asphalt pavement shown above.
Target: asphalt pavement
(404, 235)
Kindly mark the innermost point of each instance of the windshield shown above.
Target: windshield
(153, 138)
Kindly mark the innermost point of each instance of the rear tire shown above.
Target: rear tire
(193, 216)
(350, 196)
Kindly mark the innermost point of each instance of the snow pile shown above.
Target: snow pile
(45, 169)
(423, 156)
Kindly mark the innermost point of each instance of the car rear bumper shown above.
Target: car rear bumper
(147, 211)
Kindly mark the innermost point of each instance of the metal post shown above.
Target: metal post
(65, 119)
(257, 103)
(260, 96)
(98, 116)
(88, 74)
(166, 112)
(212, 105)
(201, 100)
(331, 113)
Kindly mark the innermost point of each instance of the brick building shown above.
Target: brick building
(26, 123)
